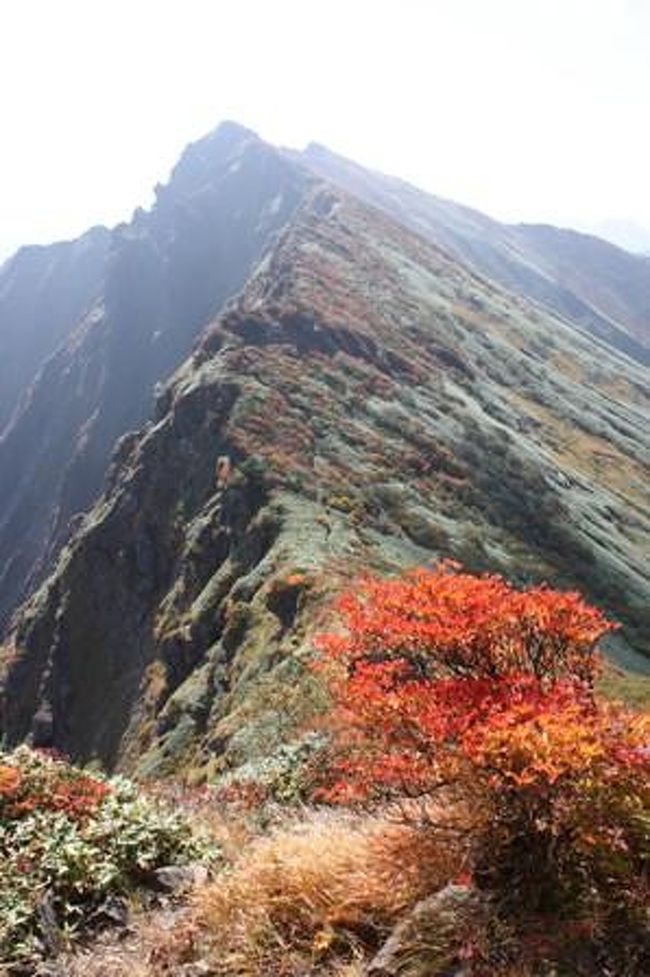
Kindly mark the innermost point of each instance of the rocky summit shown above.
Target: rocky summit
(356, 397)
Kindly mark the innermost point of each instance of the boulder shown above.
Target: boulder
(428, 941)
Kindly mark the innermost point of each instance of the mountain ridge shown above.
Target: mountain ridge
(375, 404)
(516, 255)
(167, 272)
(346, 394)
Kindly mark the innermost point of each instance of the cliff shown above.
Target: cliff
(167, 273)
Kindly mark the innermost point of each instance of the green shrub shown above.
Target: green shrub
(69, 842)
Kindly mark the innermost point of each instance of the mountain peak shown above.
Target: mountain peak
(216, 149)
(314, 150)
(228, 134)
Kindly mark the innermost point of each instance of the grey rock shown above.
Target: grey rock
(179, 878)
(200, 968)
(426, 943)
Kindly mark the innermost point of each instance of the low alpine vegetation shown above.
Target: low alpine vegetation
(480, 810)
(71, 846)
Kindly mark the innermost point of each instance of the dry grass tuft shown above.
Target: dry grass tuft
(330, 888)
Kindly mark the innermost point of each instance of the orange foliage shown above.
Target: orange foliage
(441, 668)
(51, 786)
(10, 779)
(444, 680)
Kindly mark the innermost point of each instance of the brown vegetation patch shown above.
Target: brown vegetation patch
(595, 457)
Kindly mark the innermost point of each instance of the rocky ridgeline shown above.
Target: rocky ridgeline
(88, 328)
(594, 284)
(111, 316)
(366, 403)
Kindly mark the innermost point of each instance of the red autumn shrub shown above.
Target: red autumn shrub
(48, 784)
(462, 688)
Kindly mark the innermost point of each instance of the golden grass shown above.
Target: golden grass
(318, 896)
(331, 887)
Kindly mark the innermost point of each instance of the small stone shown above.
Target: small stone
(179, 878)
(200, 968)
(112, 912)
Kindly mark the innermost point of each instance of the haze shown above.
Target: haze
(531, 111)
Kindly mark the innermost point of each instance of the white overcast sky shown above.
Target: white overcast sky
(527, 109)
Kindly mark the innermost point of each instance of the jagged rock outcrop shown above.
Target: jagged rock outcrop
(168, 273)
(596, 285)
(379, 405)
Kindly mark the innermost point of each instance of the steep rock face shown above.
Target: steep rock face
(168, 273)
(600, 287)
(44, 291)
(367, 403)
